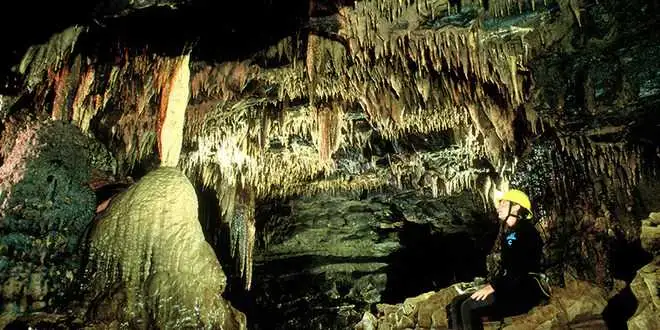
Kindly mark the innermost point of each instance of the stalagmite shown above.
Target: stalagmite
(152, 245)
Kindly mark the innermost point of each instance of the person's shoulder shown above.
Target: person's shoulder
(529, 227)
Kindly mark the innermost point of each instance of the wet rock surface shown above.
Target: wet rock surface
(45, 206)
(336, 256)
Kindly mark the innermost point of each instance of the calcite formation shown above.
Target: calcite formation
(374, 70)
(557, 97)
(150, 242)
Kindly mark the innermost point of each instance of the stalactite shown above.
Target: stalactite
(224, 81)
(173, 101)
(383, 50)
(314, 59)
(82, 111)
(243, 231)
(60, 89)
(575, 8)
(325, 127)
(48, 57)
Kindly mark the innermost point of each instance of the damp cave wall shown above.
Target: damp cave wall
(322, 260)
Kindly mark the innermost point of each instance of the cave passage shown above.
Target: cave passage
(429, 261)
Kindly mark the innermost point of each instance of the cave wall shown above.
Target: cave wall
(555, 97)
(322, 260)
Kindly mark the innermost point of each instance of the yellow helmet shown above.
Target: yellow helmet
(519, 198)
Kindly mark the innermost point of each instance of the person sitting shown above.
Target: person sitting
(514, 290)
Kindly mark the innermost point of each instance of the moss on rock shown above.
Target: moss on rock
(45, 206)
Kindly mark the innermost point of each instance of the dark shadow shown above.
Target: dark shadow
(619, 309)
(430, 261)
(285, 295)
(627, 258)
(209, 216)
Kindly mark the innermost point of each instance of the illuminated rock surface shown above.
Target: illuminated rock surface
(646, 287)
(646, 284)
(149, 251)
(345, 103)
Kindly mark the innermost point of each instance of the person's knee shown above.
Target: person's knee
(467, 305)
(457, 302)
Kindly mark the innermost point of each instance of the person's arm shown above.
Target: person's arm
(499, 277)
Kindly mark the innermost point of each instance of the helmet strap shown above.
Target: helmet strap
(509, 213)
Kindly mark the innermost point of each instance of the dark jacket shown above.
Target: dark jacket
(521, 253)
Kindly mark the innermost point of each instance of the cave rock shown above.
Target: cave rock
(148, 255)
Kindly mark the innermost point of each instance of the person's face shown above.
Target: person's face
(503, 210)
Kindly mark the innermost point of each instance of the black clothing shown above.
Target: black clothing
(521, 253)
(516, 291)
(465, 312)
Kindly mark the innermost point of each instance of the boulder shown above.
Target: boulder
(45, 206)
(646, 284)
(650, 235)
(646, 288)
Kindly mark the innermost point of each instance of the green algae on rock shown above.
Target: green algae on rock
(45, 205)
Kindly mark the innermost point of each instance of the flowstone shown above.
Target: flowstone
(149, 256)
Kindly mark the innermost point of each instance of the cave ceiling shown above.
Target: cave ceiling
(294, 97)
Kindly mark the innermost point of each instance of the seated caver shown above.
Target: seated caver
(515, 289)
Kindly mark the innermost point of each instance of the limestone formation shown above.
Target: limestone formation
(262, 101)
(646, 284)
(45, 205)
(646, 288)
(150, 244)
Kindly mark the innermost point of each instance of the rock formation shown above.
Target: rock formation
(259, 103)
(45, 205)
(577, 304)
(646, 284)
(149, 257)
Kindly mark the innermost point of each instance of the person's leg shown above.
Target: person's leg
(454, 312)
(472, 311)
